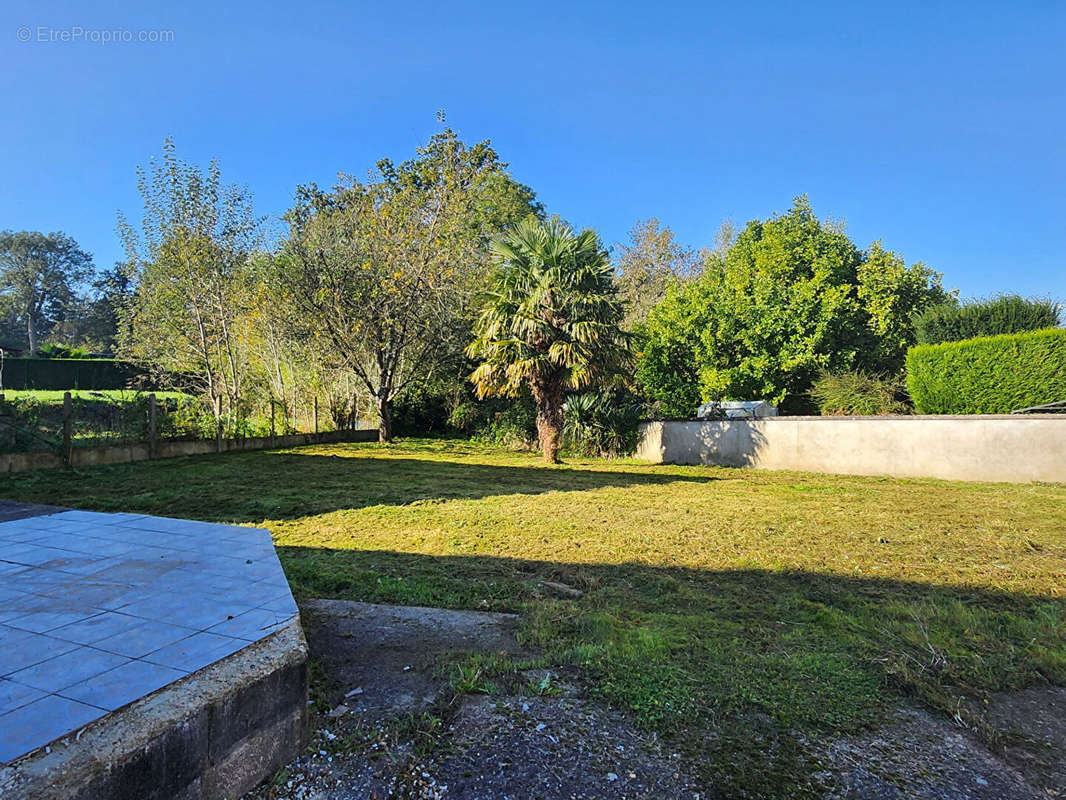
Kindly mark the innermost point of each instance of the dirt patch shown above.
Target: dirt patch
(385, 661)
(390, 725)
(918, 755)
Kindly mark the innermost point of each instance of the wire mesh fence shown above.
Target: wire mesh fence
(62, 422)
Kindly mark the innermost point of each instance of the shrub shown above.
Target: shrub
(855, 392)
(949, 322)
(601, 424)
(514, 426)
(988, 375)
(57, 350)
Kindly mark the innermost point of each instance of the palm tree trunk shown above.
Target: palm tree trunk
(548, 396)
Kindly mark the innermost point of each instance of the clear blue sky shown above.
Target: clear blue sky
(939, 127)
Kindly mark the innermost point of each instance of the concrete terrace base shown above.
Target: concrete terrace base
(215, 734)
(143, 658)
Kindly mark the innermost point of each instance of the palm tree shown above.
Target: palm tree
(551, 322)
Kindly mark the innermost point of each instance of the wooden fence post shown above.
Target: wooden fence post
(68, 438)
(218, 419)
(315, 415)
(153, 427)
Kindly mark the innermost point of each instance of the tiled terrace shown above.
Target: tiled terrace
(98, 610)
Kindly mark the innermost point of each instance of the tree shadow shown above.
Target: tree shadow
(672, 643)
(726, 443)
(284, 485)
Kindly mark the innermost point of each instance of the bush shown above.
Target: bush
(988, 375)
(949, 322)
(601, 424)
(57, 350)
(514, 426)
(837, 393)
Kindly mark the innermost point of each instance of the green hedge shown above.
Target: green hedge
(988, 375)
(73, 373)
(950, 322)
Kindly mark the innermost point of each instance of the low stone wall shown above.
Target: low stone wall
(969, 448)
(92, 456)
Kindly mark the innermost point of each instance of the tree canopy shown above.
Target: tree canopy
(382, 271)
(791, 298)
(39, 278)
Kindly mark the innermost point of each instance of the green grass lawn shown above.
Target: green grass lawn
(759, 603)
(49, 396)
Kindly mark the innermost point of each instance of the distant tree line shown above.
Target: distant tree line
(436, 294)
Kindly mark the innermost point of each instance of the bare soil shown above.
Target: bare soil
(388, 723)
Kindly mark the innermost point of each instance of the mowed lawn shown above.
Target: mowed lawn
(709, 596)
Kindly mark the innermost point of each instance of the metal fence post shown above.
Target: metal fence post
(68, 438)
(153, 426)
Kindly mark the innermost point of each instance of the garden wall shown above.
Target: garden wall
(969, 448)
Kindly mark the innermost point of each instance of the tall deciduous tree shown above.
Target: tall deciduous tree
(551, 322)
(646, 266)
(40, 273)
(190, 262)
(381, 272)
(791, 298)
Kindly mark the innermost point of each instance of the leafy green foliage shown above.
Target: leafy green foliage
(57, 350)
(190, 258)
(856, 392)
(951, 322)
(551, 322)
(381, 273)
(988, 375)
(647, 265)
(601, 424)
(39, 278)
(792, 298)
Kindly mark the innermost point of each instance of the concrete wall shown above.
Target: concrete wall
(213, 735)
(92, 456)
(968, 448)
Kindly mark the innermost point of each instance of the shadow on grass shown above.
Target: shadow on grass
(281, 485)
(673, 644)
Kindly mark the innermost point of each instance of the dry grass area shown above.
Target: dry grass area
(775, 601)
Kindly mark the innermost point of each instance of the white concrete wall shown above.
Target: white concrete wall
(967, 448)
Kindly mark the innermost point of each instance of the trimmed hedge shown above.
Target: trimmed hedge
(950, 322)
(988, 375)
(73, 373)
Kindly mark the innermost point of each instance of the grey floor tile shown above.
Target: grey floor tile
(197, 651)
(41, 722)
(252, 625)
(15, 695)
(103, 626)
(122, 685)
(44, 621)
(21, 649)
(66, 670)
(145, 638)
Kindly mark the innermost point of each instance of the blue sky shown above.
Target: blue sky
(937, 127)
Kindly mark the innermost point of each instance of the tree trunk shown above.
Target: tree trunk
(384, 420)
(548, 396)
(31, 333)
